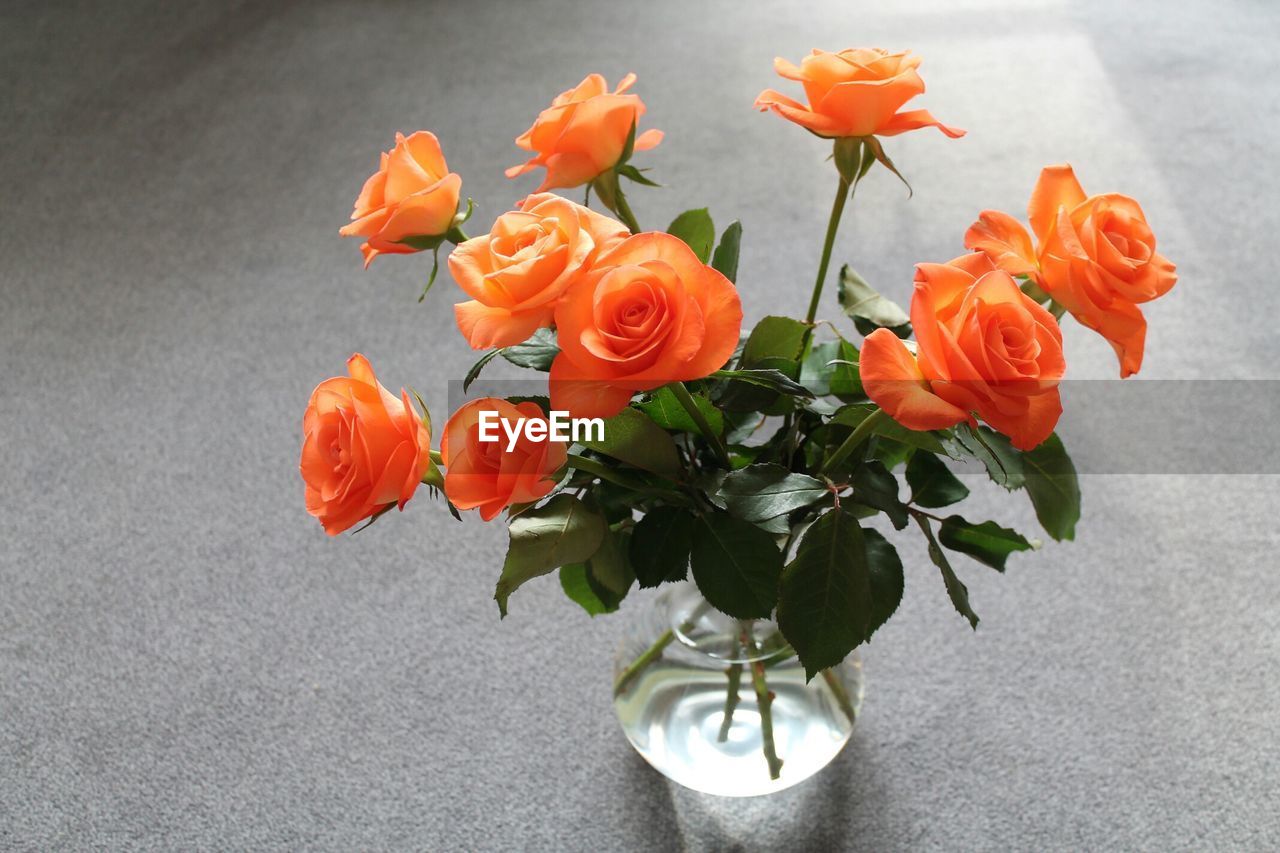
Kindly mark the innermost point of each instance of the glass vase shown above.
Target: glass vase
(721, 705)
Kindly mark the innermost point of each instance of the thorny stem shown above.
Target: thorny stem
(734, 674)
(764, 701)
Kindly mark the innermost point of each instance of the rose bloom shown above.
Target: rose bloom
(363, 449)
(982, 346)
(413, 194)
(854, 92)
(516, 273)
(648, 313)
(1095, 255)
(583, 132)
(483, 474)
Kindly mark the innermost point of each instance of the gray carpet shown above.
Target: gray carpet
(187, 662)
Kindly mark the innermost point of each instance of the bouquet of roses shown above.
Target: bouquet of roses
(672, 442)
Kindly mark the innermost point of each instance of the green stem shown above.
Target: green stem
(654, 652)
(734, 674)
(624, 211)
(604, 472)
(855, 438)
(649, 656)
(764, 701)
(842, 695)
(686, 400)
(842, 194)
(436, 457)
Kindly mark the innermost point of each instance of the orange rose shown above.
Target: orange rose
(648, 313)
(412, 195)
(583, 132)
(982, 346)
(1096, 256)
(485, 474)
(517, 272)
(854, 92)
(362, 450)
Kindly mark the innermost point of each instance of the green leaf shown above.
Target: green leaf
(824, 602)
(859, 299)
(772, 379)
(866, 327)
(660, 545)
(575, 581)
(932, 483)
(544, 538)
(874, 486)
(957, 591)
(736, 566)
(629, 146)
(877, 149)
(887, 579)
(610, 574)
(665, 410)
(993, 450)
(631, 437)
(1053, 487)
(760, 492)
(537, 353)
(631, 173)
(697, 230)
(435, 269)
(474, 372)
(726, 257)
(831, 367)
(774, 337)
(988, 542)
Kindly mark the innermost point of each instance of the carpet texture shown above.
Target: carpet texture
(187, 662)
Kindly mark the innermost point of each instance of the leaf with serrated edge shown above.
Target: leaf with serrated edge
(1053, 487)
(725, 258)
(824, 603)
(932, 483)
(988, 542)
(859, 299)
(956, 590)
(758, 492)
(736, 566)
(697, 230)
(561, 531)
(631, 437)
(666, 411)
(660, 545)
(536, 353)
